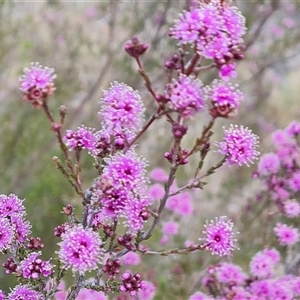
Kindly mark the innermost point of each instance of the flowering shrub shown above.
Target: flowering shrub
(123, 208)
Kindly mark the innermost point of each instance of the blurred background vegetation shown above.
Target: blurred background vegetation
(83, 41)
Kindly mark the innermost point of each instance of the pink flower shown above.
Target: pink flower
(228, 70)
(11, 205)
(262, 265)
(269, 164)
(25, 292)
(262, 289)
(21, 226)
(221, 93)
(199, 296)
(33, 267)
(287, 235)
(280, 138)
(159, 174)
(80, 249)
(131, 258)
(122, 108)
(37, 83)
(219, 238)
(294, 182)
(147, 291)
(293, 128)
(170, 228)
(126, 194)
(38, 77)
(88, 294)
(272, 254)
(239, 145)
(230, 274)
(2, 295)
(6, 234)
(292, 208)
(186, 95)
(82, 138)
(156, 191)
(185, 205)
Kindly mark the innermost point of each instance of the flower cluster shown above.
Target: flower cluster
(37, 83)
(224, 97)
(82, 138)
(233, 283)
(216, 30)
(33, 267)
(80, 249)
(279, 172)
(122, 108)
(239, 145)
(219, 237)
(125, 193)
(186, 95)
(13, 226)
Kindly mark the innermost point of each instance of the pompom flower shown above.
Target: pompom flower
(37, 83)
(80, 249)
(159, 174)
(230, 274)
(214, 28)
(199, 296)
(294, 182)
(269, 163)
(131, 258)
(2, 295)
(227, 71)
(33, 267)
(82, 138)
(262, 265)
(287, 235)
(239, 145)
(38, 77)
(88, 294)
(292, 208)
(122, 108)
(147, 292)
(225, 98)
(21, 226)
(170, 228)
(219, 238)
(127, 193)
(6, 234)
(25, 292)
(156, 191)
(186, 95)
(11, 205)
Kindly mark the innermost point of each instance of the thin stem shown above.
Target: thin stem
(76, 288)
(191, 65)
(143, 130)
(173, 251)
(63, 149)
(196, 181)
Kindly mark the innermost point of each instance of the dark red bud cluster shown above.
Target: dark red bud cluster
(134, 48)
(179, 130)
(68, 210)
(131, 283)
(236, 52)
(125, 241)
(112, 268)
(35, 244)
(10, 266)
(180, 156)
(173, 63)
(60, 229)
